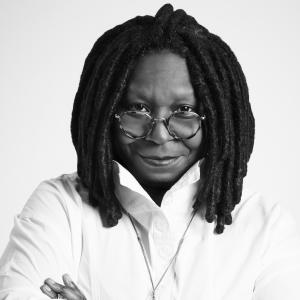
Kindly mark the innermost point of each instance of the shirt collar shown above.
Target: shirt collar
(178, 200)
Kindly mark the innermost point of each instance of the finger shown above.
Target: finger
(48, 291)
(71, 294)
(56, 287)
(65, 291)
(69, 282)
(76, 292)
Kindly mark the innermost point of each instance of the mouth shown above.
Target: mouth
(159, 161)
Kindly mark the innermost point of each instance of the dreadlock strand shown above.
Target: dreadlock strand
(163, 14)
(202, 92)
(104, 149)
(213, 85)
(216, 186)
(86, 111)
(99, 47)
(227, 184)
(239, 116)
(227, 207)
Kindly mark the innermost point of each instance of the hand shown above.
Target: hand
(69, 291)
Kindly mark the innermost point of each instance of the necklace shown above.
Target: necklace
(154, 287)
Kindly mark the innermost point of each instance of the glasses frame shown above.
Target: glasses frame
(154, 120)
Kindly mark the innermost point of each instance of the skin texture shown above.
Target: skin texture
(160, 84)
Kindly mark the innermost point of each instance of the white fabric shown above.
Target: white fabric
(57, 232)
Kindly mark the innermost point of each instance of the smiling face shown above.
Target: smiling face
(160, 85)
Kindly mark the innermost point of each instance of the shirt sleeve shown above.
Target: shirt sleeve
(40, 246)
(280, 268)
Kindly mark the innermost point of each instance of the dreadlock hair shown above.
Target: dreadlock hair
(219, 85)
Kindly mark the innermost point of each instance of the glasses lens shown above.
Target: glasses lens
(184, 124)
(136, 124)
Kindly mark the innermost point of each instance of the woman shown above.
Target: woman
(163, 131)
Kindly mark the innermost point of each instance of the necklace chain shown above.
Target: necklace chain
(154, 287)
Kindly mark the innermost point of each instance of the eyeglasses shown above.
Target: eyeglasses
(180, 125)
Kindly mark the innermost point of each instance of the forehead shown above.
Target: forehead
(161, 74)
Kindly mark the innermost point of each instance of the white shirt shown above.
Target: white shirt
(57, 232)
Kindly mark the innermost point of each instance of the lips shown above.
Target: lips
(159, 157)
(160, 161)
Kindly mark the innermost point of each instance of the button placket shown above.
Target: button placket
(165, 251)
(160, 225)
(162, 239)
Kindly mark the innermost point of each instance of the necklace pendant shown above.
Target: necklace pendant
(153, 295)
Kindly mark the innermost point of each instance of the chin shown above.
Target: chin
(159, 180)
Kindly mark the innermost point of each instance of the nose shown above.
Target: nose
(159, 133)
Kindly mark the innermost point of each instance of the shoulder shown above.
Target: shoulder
(263, 216)
(272, 235)
(254, 203)
(54, 196)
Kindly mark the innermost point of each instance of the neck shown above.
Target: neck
(156, 193)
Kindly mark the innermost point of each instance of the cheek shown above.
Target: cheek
(119, 138)
(121, 142)
(194, 143)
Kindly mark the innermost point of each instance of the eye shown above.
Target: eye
(138, 107)
(185, 108)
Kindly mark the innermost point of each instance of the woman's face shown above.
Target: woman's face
(160, 85)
